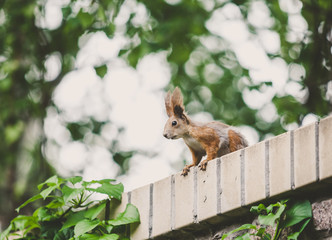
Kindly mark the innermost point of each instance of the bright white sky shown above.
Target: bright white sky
(133, 98)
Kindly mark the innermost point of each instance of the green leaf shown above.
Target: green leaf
(260, 232)
(266, 237)
(130, 215)
(48, 191)
(295, 235)
(69, 193)
(271, 218)
(6, 232)
(94, 211)
(73, 219)
(101, 70)
(57, 202)
(112, 190)
(44, 214)
(32, 199)
(51, 181)
(74, 180)
(98, 237)
(243, 227)
(246, 236)
(85, 226)
(298, 212)
(22, 222)
(64, 234)
(85, 184)
(258, 209)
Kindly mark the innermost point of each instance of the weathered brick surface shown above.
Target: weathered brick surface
(184, 199)
(192, 207)
(161, 220)
(304, 156)
(230, 182)
(207, 192)
(140, 197)
(279, 164)
(325, 148)
(254, 166)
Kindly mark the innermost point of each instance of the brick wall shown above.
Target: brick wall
(294, 164)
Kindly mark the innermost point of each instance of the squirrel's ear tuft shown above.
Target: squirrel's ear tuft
(177, 99)
(177, 104)
(178, 111)
(168, 104)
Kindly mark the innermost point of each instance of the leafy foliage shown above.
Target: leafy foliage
(70, 214)
(279, 216)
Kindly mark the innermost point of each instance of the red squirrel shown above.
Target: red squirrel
(213, 139)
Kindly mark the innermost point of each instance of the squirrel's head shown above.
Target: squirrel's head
(177, 124)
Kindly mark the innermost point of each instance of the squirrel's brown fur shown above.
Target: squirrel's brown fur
(213, 139)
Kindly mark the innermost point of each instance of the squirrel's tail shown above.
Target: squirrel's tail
(236, 141)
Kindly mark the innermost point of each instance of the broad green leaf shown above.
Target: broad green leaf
(6, 232)
(108, 227)
(298, 212)
(22, 222)
(295, 235)
(57, 202)
(44, 214)
(101, 71)
(74, 180)
(32, 199)
(246, 236)
(85, 226)
(266, 237)
(258, 209)
(48, 191)
(85, 184)
(112, 190)
(69, 193)
(260, 232)
(64, 234)
(112, 236)
(73, 219)
(54, 180)
(243, 227)
(94, 211)
(130, 215)
(271, 218)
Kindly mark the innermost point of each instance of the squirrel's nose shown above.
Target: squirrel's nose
(165, 135)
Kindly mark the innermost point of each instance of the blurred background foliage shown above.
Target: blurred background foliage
(203, 65)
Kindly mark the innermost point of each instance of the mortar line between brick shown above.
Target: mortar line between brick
(219, 190)
(317, 150)
(267, 169)
(129, 197)
(195, 196)
(151, 211)
(172, 202)
(292, 167)
(242, 158)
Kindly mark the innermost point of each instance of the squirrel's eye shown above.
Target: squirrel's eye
(174, 123)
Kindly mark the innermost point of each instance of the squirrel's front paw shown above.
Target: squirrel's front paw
(203, 165)
(185, 171)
